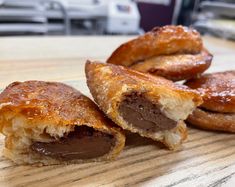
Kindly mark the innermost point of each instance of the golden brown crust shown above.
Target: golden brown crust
(212, 120)
(110, 83)
(160, 41)
(51, 101)
(115, 78)
(217, 90)
(48, 102)
(177, 66)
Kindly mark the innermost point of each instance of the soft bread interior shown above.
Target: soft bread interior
(174, 109)
(172, 104)
(21, 133)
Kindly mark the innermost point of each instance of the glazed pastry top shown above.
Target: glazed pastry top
(217, 90)
(160, 41)
(57, 102)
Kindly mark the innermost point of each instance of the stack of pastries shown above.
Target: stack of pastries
(174, 52)
(218, 109)
(48, 123)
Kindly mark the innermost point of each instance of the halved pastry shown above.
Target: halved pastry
(52, 123)
(151, 106)
(174, 52)
(218, 109)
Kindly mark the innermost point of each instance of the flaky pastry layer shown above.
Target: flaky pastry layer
(176, 67)
(212, 120)
(109, 84)
(46, 111)
(217, 91)
(165, 40)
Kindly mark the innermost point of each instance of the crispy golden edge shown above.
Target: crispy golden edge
(212, 121)
(156, 42)
(117, 80)
(121, 76)
(57, 102)
(217, 90)
(177, 66)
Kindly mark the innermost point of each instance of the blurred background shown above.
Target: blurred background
(112, 17)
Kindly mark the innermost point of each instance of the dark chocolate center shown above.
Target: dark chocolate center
(142, 114)
(83, 143)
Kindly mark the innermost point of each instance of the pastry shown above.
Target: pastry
(152, 106)
(218, 109)
(52, 123)
(174, 52)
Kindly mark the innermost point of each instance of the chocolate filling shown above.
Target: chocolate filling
(142, 114)
(83, 143)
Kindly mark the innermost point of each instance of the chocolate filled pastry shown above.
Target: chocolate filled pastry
(218, 109)
(152, 106)
(52, 123)
(174, 52)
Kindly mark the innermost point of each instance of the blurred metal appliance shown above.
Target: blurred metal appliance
(28, 17)
(122, 17)
(109, 16)
(90, 14)
(22, 17)
(217, 18)
(52, 16)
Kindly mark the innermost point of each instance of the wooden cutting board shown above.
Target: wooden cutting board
(206, 159)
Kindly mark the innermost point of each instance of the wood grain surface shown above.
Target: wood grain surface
(206, 159)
